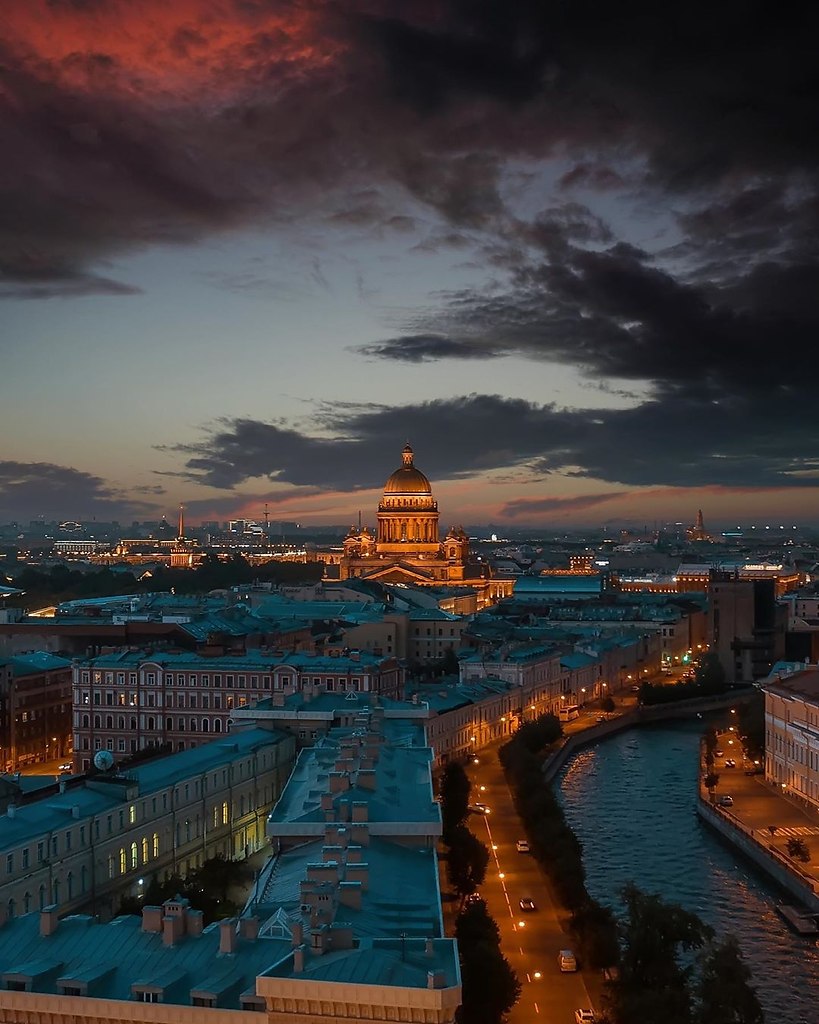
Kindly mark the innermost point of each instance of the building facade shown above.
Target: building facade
(35, 710)
(130, 700)
(87, 842)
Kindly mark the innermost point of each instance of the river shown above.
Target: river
(631, 799)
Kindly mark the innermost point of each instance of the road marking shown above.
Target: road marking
(536, 1009)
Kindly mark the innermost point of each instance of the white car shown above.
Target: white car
(584, 1016)
(479, 809)
(522, 846)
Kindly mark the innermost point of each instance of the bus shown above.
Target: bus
(569, 713)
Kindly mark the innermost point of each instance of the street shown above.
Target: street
(529, 940)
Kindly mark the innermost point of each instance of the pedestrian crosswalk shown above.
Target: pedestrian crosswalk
(798, 830)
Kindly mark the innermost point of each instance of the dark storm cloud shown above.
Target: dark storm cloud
(537, 506)
(42, 488)
(613, 314)
(682, 441)
(126, 125)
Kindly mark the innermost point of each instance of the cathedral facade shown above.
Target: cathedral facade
(407, 547)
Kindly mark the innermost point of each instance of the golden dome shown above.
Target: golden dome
(407, 479)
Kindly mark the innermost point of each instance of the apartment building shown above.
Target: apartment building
(35, 710)
(86, 842)
(792, 731)
(130, 700)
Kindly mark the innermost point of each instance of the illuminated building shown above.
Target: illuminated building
(697, 532)
(406, 547)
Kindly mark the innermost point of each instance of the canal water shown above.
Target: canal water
(631, 800)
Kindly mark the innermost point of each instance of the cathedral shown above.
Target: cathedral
(406, 546)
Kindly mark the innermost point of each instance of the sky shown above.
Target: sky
(249, 248)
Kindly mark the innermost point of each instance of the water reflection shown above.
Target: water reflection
(631, 801)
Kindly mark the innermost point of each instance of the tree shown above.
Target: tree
(539, 734)
(490, 986)
(723, 991)
(751, 723)
(710, 674)
(474, 925)
(711, 782)
(654, 973)
(455, 789)
(607, 703)
(467, 861)
(798, 849)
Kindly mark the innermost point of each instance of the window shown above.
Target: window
(40, 852)
(25, 858)
(123, 863)
(144, 849)
(155, 844)
(225, 813)
(67, 841)
(9, 863)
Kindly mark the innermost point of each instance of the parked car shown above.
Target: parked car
(473, 897)
(583, 1016)
(602, 718)
(66, 767)
(719, 753)
(730, 762)
(522, 846)
(479, 809)
(527, 904)
(726, 801)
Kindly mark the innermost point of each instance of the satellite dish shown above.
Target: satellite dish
(103, 760)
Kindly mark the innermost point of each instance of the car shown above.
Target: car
(602, 718)
(473, 897)
(566, 961)
(730, 762)
(66, 767)
(755, 771)
(583, 1016)
(726, 801)
(522, 846)
(527, 903)
(479, 809)
(719, 753)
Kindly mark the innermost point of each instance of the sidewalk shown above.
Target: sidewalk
(769, 817)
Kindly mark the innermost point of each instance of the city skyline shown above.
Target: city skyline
(251, 249)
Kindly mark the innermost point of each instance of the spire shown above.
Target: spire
(407, 455)
(181, 535)
(700, 524)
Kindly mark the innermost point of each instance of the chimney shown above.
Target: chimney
(327, 801)
(339, 782)
(152, 919)
(355, 854)
(172, 929)
(227, 936)
(366, 780)
(48, 920)
(358, 873)
(436, 979)
(298, 959)
(298, 933)
(194, 922)
(361, 811)
(360, 834)
(349, 894)
(249, 928)
(62, 785)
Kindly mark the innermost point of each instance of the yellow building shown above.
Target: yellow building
(406, 547)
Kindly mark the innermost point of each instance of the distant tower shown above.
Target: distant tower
(697, 532)
(182, 549)
(266, 522)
